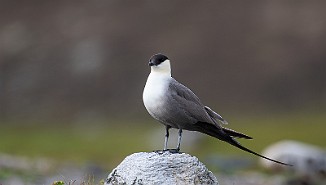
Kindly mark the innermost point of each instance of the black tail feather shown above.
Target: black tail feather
(237, 144)
(234, 133)
(225, 135)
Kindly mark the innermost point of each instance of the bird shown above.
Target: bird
(176, 106)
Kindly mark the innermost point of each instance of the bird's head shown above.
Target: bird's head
(160, 63)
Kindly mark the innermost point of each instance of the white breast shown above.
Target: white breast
(155, 92)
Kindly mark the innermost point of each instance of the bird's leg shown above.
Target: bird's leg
(179, 140)
(166, 142)
(174, 151)
(166, 137)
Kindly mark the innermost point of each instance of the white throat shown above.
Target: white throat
(156, 87)
(164, 68)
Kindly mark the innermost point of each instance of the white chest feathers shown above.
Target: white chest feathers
(155, 92)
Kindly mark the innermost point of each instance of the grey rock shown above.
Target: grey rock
(307, 160)
(160, 168)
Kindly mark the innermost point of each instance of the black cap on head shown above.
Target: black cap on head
(157, 59)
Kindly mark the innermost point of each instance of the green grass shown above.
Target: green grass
(110, 144)
(89, 181)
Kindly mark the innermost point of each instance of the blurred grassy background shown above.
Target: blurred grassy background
(72, 73)
(108, 144)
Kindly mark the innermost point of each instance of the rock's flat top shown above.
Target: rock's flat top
(161, 168)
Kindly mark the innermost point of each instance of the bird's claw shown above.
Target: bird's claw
(172, 151)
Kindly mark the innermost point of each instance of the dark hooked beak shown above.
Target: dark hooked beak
(150, 63)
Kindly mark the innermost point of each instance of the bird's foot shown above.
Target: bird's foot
(172, 151)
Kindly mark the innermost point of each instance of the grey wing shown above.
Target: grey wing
(189, 111)
(215, 116)
(188, 103)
